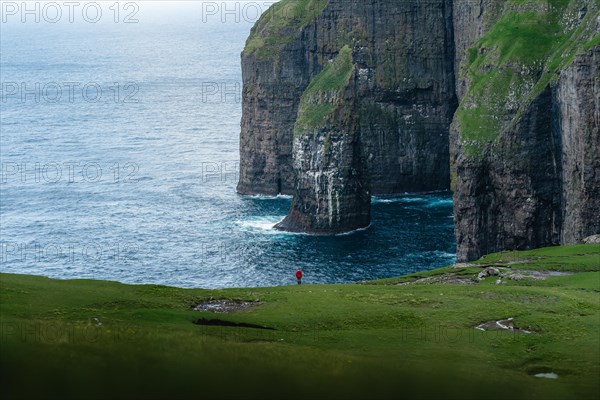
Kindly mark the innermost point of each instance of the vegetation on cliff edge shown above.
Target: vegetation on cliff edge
(522, 52)
(280, 24)
(323, 93)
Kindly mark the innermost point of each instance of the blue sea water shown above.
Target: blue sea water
(119, 153)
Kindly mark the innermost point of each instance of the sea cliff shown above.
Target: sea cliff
(497, 100)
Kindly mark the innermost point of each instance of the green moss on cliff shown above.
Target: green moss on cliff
(523, 52)
(592, 43)
(322, 95)
(280, 24)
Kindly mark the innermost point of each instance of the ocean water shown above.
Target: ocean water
(119, 153)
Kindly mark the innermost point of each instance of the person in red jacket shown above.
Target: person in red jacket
(299, 276)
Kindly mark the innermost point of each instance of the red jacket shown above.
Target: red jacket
(299, 274)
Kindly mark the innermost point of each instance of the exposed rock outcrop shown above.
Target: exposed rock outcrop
(509, 198)
(332, 193)
(577, 117)
(281, 57)
(593, 239)
(405, 62)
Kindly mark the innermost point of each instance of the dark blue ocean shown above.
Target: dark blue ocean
(119, 154)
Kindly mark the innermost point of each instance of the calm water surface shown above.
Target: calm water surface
(121, 164)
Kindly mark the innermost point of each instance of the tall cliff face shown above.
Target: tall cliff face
(331, 189)
(525, 172)
(577, 117)
(522, 149)
(404, 53)
(280, 59)
(404, 57)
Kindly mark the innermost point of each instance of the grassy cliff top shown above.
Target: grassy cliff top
(280, 24)
(98, 339)
(322, 94)
(522, 52)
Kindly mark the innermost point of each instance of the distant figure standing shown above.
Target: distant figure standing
(299, 276)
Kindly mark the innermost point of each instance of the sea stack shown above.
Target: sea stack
(331, 194)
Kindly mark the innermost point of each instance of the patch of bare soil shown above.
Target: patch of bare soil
(499, 273)
(503, 324)
(445, 278)
(464, 265)
(516, 274)
(226, 305)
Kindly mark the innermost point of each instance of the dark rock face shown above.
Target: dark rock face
(535, 181)
(523, 149)
(577, 118)
(510, 199)
(406, 91)
(405, 62)
(271, 93)
(539, 185)
(332, 193)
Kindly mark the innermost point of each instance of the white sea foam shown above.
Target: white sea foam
(265, 224)
(439, 253)
(439, 202)
(263, 197)
(376, 199)
(353, 231)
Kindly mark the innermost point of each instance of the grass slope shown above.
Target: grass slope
(97, 339)
(280, 24)
(323, 93)
(522, 52)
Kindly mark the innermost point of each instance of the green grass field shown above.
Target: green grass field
(97, 339)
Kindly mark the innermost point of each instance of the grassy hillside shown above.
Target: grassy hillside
(97, 339)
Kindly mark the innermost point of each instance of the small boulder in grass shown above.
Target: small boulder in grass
(489, 271)
(516, 277)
